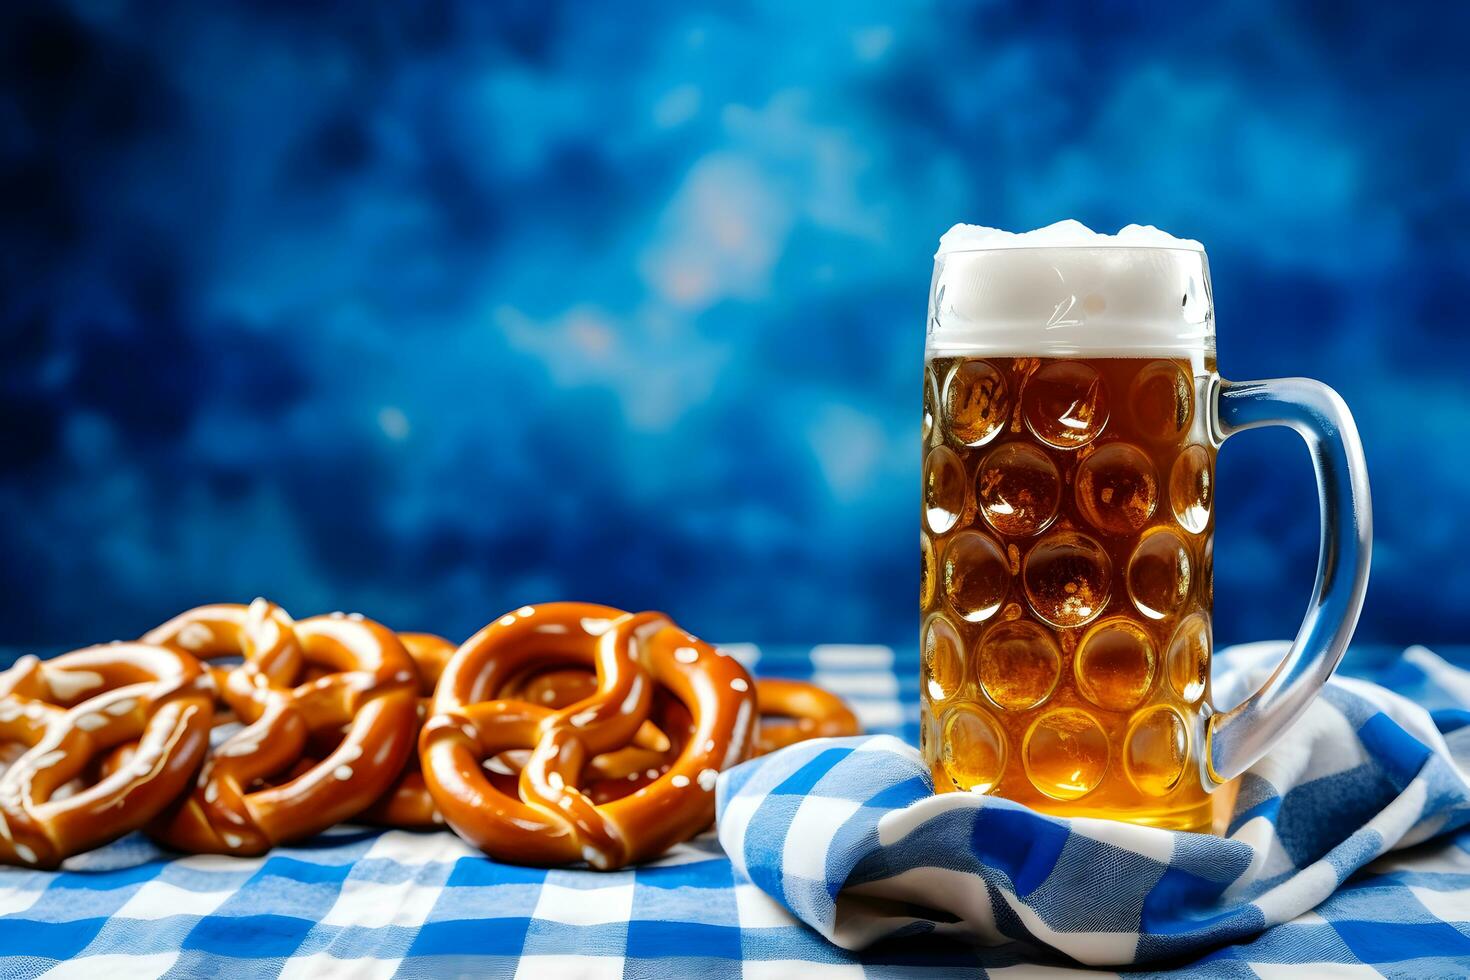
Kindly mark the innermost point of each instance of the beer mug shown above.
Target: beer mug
(1071, 417)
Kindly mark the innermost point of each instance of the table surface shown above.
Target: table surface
(363, 902)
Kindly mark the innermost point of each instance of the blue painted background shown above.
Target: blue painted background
(432, 310)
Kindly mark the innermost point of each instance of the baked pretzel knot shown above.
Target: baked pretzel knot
(69, 712)
(328, 705)
(551, 820)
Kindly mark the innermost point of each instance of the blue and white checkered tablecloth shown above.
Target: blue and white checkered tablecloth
(365, 903)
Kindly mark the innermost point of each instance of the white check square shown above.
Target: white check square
(878, 715)
(1295, 971)
(817, 819)
(321, 966)
(585, 906)
(757, 910)
(835, 656)
(113, 965)
(373, 904)
(558, 967)
(1450, 906)
(18, 899)
(412, 849)
(159, 900)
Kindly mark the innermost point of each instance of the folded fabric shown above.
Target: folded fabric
(848, 834)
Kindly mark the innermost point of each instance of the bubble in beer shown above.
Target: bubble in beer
(976, 401)
(1117, 488)
(1067, 577)
(926, 571)
(1162, 401)
(1159, 574)
(976, 575)
(1192, 488)
(1188, 659)
(1065, 753)
(1065, 404)
(1115, 664)
(944, 658)
(974, 749)
(1018, 488)
(1019, 664)
(1156, 750)
(944, 489)
(929, 401)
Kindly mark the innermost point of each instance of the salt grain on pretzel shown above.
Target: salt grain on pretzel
(73, 709)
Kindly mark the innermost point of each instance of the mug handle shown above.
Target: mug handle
(1235, 739)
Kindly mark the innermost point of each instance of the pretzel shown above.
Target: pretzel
(805, 711)
(551, 821)
(73, 708)
(368, 694)
(407, 804)
(791, 711)
(812, 713)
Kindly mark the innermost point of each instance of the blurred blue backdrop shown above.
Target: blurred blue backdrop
(431, 310)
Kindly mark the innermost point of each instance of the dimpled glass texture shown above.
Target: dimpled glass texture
(1066, 585)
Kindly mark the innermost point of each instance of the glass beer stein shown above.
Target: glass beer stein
(1071, 417)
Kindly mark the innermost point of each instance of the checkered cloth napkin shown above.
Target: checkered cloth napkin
(848, 835)
(364, 903)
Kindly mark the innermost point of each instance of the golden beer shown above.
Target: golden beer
(1066, 584)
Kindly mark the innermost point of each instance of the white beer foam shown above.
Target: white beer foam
(1066, 290)
(1063, 234)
